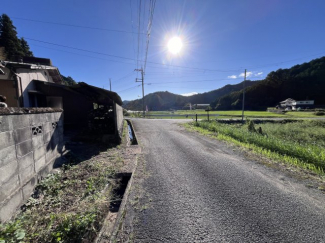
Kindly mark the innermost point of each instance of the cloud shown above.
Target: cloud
(190, 94)
(258, 74)
(232, 76)
(248, 74)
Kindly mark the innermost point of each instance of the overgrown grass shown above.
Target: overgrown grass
(301, 143)
(68, 206)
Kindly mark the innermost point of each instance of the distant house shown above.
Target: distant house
(295, 104)
(201, 106)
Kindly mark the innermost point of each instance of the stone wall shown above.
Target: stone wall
(29, 146)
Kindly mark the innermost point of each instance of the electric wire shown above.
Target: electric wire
(174, 66)
(77, 26)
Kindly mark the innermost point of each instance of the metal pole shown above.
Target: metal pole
(142, 80)
(110, 85)
(144, 113)
(242, 118)
(196, 117)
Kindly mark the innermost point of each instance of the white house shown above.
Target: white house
(295, 104)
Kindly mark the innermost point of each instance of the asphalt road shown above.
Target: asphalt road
(200, 190)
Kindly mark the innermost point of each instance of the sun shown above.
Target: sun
(175, 45)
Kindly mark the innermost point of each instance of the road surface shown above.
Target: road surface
(200, 190)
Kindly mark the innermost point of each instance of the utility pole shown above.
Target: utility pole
(110, 85)
(242, 118)
(141, 80)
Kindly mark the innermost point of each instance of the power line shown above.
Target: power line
(77, 26)
(170, 65)
(139, 23)
(151, 12)
(129, 88)
(100, 58)
(128, 75)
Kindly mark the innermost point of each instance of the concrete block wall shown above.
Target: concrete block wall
(29, 146)
(119, 119)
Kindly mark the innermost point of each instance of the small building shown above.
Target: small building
(201, 106)
(16, 80)
(35, 82)
(295, 104)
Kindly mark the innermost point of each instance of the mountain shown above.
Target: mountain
(160, 101)
(208, 97)
(125, 102)
(300, 82)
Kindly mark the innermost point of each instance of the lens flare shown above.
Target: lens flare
(175, 45)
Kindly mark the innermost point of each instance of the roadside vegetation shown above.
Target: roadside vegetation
(71, 204)
(301, 143)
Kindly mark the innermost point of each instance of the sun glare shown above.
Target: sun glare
(175, 45)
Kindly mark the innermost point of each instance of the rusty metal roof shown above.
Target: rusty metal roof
(98, 95)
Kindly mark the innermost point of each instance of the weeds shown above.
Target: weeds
(68, 206)
(300, 143)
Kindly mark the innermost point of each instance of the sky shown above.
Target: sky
(94, 41)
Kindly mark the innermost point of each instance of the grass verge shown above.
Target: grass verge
(289, 143)
(70, 205)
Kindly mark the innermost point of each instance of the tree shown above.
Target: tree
(25, 48)
(9, 39)
(68, 80)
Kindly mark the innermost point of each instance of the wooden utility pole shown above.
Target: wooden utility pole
(141, 80)
(242, 118)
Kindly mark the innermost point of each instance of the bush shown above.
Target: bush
(319, 113)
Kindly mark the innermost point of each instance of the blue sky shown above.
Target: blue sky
(220, 39)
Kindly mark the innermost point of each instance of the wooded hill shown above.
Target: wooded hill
(300, 82)
(160, 101)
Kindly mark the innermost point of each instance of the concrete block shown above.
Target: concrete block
(55, 137)
(61, 138)
(9, 187)
(43, 173)
(60, 148)
(37, 119)
(39, 164)
(4, 124)
(39, 152)
(60, 130)
(19, 121)
(8, 209)
(22, 134)
(24, 148)
(8, 170)
(58, 116)
(26, 173)
(50, 154)
(60, 121)
(26, 161)
(38, 141)
(28, 188)
(6, 139)
(7, 154)
(47, 127)
(47, 137)
(48, 146)
(50, 117)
